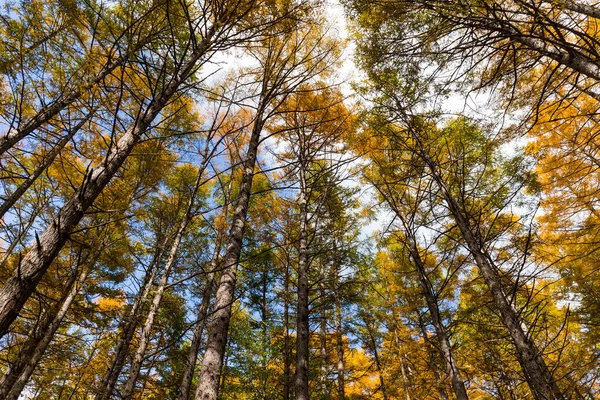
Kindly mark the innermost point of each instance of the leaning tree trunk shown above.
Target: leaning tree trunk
(441, 332)
(538, 376)
(17, 376)
(18, 288)
(129, 325)
(218, 327)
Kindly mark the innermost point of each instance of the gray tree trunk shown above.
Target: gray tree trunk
(538, 376)
(192, 356)
(18, 288)
(17, 376)
(302, 311)
(218, 327)
(130, 323)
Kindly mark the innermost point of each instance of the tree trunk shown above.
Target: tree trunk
(192, 356)
(17, 376)
(302, 321)
(537, 374)
(339, 348)
(18, 288)
(286, 327)
(323, 338)
(129, 325)
(138, 359)
(218, 327)
(373, 343)
(442, 334)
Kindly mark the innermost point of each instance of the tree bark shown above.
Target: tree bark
(442, 334)
(302, 311)
(218, 327)
(192, 356)
(339, 339)
(538, 376)
(188, 216)
(31, 269)
(323, 338)
(286, 327)
(129, 325)
(17, 376)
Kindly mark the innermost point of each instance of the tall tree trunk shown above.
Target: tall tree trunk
(323, 338)
(129, 325)
(339, 339)
(138, 359)
(441, 332)
(302, 321)
(192, 356)
(286, 326)
(378, 365)
(18, 288)
(48, 159)
(538, 376)
(218, 327)
(17, 376)
(433, 353)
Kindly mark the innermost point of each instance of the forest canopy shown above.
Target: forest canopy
(296, 199)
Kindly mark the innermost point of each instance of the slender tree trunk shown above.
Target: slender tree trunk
(15, 379)
(339, 348)
(433, 355)
(129, 325)
(138, 359)
(377, 359)
(192, 356)
(286, 338)
(538, 376)
(441, 332)
(218, 327)
(302, 321)
(18, 288)
(48, 159)
(323, 338)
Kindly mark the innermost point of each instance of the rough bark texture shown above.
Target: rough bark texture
(218, 327)
(192, 356)
(31, 269)
(442, 334)
(538, 376)
(17, 376)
